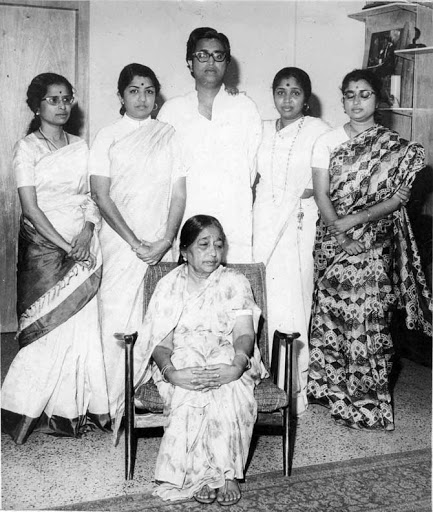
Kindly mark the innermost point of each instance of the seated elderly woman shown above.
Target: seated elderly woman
(198, 344)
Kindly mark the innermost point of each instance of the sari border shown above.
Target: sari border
(58, 305)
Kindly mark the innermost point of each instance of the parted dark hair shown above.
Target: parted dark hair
(127, 75)
(363, 74)
(299, 75)
(192, 229)
(38, 89)
(206, 33)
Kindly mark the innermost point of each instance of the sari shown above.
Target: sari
(142, 171)
(350, 345)
(207, 435)
(56, 383)
(283, 237)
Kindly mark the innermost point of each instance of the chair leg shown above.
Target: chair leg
(286, 442)
(287, 437)
(129, 407)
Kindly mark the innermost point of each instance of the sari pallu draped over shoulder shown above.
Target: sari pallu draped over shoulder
(51, 287)
(350, 342)
(368, 170)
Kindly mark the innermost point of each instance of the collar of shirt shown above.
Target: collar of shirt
(136, 123)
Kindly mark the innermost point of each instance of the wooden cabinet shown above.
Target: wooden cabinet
(412, 117)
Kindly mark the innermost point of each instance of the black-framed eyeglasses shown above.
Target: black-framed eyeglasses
(204, 55)
(364, 94)
(56, 100)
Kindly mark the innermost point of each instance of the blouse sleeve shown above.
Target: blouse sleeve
(24, 165)
(99, 160)
(240, 298)
(180, 167)
(91, 212)
(320, 157)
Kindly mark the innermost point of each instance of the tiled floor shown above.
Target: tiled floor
(49, 472)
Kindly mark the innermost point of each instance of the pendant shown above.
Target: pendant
(300, 216)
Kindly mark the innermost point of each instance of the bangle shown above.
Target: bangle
(248, 365)
(368, 215)
(164, 371)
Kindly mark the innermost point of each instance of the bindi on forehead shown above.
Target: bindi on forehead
(289, 82)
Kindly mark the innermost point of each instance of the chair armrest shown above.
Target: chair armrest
(278, 339)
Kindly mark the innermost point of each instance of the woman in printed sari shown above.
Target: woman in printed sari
(56, 383)
(136, 182)
(199, 333)
(285, 216)
(366, 260)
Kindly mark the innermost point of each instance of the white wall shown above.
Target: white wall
(328, 46)
(264, 35)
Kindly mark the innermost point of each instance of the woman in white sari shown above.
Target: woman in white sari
(137, 183)
(285, 215)
(56, 383)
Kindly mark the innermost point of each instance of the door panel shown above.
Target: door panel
(36, 38)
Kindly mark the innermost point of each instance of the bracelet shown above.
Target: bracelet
(248, 366)
(368, 215)
(164, 370)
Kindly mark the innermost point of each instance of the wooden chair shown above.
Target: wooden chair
(271, 400)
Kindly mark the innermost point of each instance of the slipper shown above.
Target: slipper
(205, 501)
(223, 490)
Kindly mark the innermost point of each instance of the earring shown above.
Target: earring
(36, 113)
(306, 107)
(155, 107)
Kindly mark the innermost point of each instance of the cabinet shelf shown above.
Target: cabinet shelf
(383, 9)
(410, 53)
(402, 111)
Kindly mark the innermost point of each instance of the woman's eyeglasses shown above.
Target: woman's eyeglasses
(56, 100)
(363, 94)
(203, 56)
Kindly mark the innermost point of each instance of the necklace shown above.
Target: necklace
(49, 141)
(289, 154)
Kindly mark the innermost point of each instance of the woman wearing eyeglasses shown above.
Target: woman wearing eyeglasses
(56, 384)
(136, 180)
(366, 260)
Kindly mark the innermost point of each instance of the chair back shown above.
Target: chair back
(254, 272)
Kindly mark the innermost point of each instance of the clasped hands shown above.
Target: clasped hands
(152, 252)
(80, 249)
(341, 225)
(204, 378)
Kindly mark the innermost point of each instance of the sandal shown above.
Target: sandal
(207, 500)
(223, 491)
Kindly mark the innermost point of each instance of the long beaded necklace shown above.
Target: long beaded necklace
(49, 141)
(289, 154)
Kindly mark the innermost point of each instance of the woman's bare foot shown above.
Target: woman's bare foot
(229, 494)
(205, 495)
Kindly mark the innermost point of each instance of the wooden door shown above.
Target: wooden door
(36, 37)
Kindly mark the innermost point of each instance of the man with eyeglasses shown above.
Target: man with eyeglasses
(219, 133)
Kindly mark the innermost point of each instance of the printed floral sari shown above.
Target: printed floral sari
(350, 342)
(207, 435)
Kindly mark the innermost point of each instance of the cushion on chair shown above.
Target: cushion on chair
(269, 397)
(147, 397)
